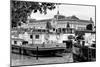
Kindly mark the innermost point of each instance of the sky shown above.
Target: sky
(82, 12)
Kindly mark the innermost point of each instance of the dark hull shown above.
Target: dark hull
(25, 50)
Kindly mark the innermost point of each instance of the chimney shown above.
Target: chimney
(91, 19)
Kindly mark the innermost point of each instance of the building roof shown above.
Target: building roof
(86, 31)
(61, 18)
(17, 39)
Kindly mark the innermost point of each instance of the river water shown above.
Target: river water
(17, 59)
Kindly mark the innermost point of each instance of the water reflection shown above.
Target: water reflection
(29, 60)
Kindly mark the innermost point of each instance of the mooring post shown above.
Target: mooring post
(37, 53)
(20, 50)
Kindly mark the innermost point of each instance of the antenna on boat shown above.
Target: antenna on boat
(58, 10)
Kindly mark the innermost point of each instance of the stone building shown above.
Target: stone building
(59, 21)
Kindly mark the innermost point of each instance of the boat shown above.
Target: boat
(36, 41)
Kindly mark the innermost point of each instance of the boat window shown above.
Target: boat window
(31, 36)
(53, 29)
(25, 42)
(15, 42)
(37, 36)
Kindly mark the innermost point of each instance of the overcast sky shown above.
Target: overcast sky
(82, 12)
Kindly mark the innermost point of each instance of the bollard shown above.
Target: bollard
(37, 53)
(20, 50)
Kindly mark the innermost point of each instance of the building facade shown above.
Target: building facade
(49, 31)
(59, 21)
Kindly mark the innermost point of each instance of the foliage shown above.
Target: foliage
(70, 37)
(79, 35)
(89, 27)
(20, 10)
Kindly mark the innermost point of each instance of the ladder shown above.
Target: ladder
(89, 54)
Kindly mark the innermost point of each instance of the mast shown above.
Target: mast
(57, 10)
(57, 17)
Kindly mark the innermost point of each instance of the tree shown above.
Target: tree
(70, 37)
(79, 35)
(20, 10)
(89, 27)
